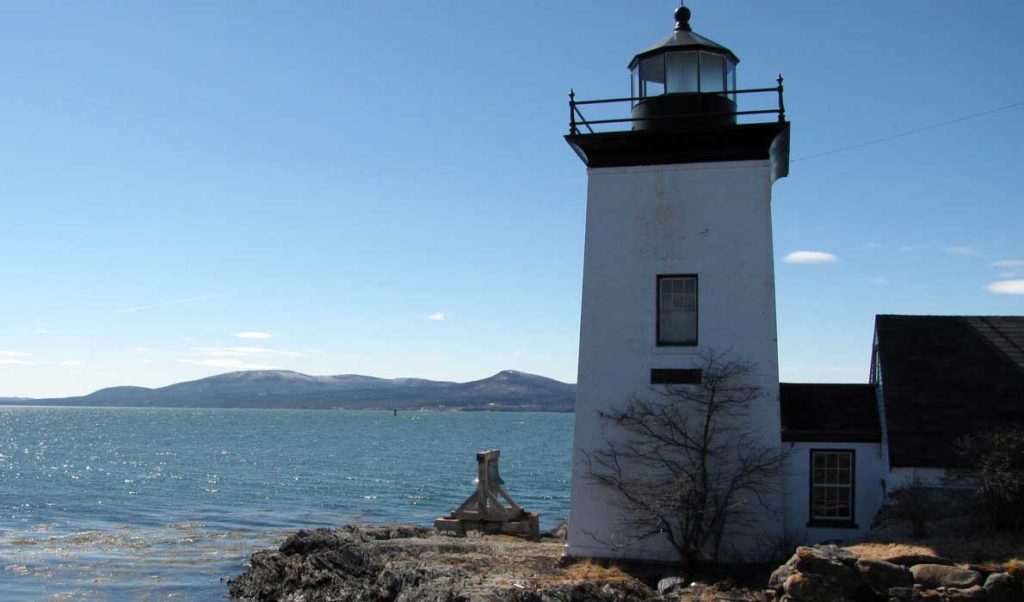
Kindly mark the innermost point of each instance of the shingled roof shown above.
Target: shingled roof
(945, 376)
(829, 412)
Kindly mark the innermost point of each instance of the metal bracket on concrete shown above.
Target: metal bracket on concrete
(485, 511)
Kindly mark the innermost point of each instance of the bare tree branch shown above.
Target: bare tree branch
(689, 466)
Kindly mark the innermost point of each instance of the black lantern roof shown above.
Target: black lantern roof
(683, 38)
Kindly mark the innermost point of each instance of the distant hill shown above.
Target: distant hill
(505, 391)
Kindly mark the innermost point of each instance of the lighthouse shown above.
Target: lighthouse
(678, 259)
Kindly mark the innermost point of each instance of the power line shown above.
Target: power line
(909, 132)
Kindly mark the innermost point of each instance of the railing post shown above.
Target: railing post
(782, 105)
(572, 112)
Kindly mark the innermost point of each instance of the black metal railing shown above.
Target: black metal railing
(577, 120)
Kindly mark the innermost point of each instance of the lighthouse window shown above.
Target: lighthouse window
(730, 78)
(652, 76)
(677, 310)
(712, 72)
(681, 68)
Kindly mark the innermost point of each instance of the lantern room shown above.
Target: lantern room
(685, 82)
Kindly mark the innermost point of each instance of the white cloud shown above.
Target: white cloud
(437, 316)
(6, 353)
(1009, 263)
(13, 362)
(241, 351)
(253, 335)
(72, 363)
(810, 257)
(126, 310)
(963, 251)
(215, 363)
(1006, 287)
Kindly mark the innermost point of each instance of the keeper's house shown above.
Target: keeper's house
(933, 379)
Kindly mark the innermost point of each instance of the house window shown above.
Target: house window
(677, 310)
(832, 487)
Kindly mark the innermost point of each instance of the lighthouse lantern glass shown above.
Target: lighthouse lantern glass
(652, 76)
(712, 72)
(730, 76)
(681, 70)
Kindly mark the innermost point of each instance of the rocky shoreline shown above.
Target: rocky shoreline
(406, 563)
(834, 574)
(416, 563)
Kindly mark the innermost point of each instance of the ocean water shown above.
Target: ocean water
(158, 504)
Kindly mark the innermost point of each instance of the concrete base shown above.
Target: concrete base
(526, 525)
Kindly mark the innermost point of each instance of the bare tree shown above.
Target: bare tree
(689, 465)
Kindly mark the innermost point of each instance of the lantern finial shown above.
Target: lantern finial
(682, 18)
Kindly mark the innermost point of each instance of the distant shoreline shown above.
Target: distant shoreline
(506, 391)
(454, 410)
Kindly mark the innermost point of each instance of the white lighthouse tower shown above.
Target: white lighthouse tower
(678, 259)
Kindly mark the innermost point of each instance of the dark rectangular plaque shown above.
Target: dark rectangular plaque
(676, 376)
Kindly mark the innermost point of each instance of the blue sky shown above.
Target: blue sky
(382, 188)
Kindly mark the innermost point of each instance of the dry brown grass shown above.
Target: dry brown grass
(962, 538)
(1015, 566)
(588, 570)
(881, 551)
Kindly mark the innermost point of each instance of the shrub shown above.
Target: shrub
(992, 464)
(914, 502)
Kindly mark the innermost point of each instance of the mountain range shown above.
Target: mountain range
(508, 390)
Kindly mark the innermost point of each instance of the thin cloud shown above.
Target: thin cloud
(1006, 287)
(7, 353)
(126, 310)
(253, 335)
(224, 363)
(963, 251)
(1009, 264)
(4, 361)
(437, 316)
(810, 257)
(72, 363)
(241, 351)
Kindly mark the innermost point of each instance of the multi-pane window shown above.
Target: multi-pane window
(677, 310)
(832, 485)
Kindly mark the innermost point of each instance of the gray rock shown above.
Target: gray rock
(667, 585)
(1002, 587)
(832, 562)
(882, 575)
(901, 594)
(779, 575)
(802, 587)
(933, 576)
(909, 560)
(561, 531)
(975, 593)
